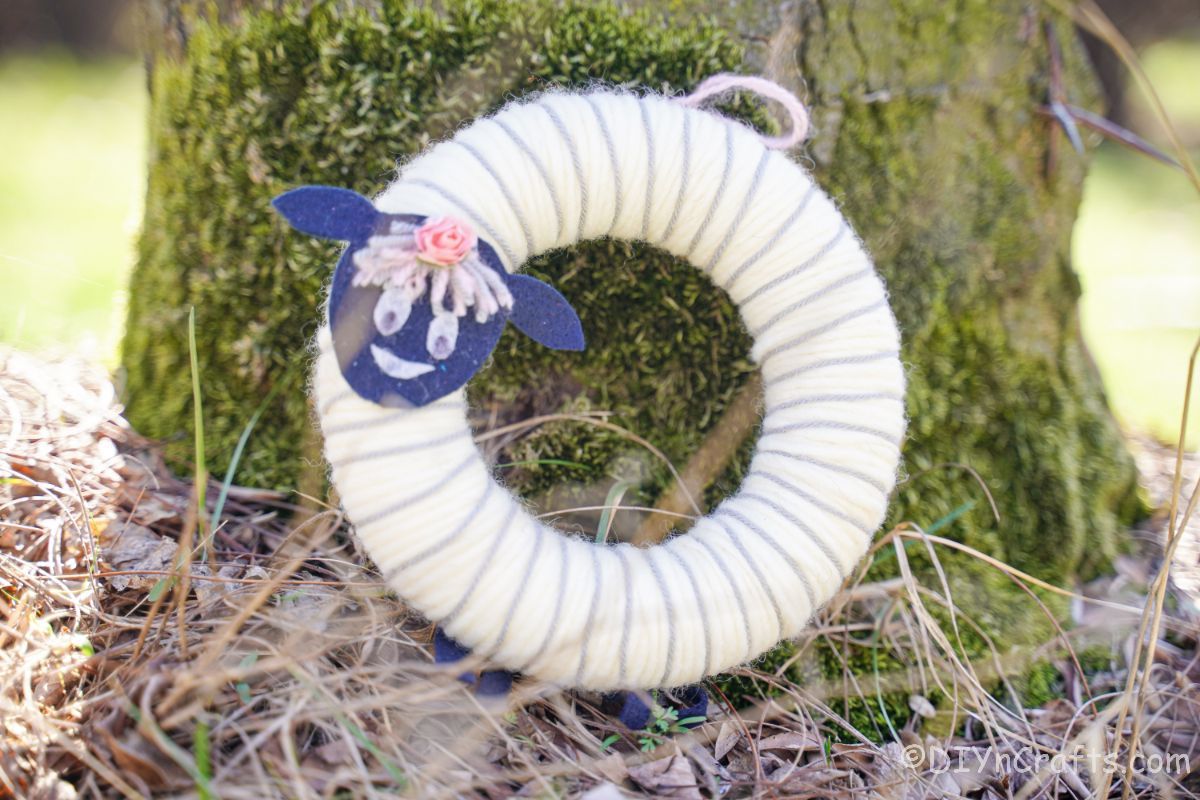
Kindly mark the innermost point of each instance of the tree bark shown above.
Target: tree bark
(926, 131)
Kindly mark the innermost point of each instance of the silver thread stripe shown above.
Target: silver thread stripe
(737, 594)
(337, 398)
(649, 167)
(812, 261)
(362, 522)
(612, 157)
(591, 617)
(821, 330)
(816, 462)
(448, 539)
(809, 498)
(754, 567)
(687, 570)
(841, 361)
(719, 196)
(389, 418)
(386, 452)
(558, 604)
(778, 548)
(670, 610)
(487, 562)
(836, 398)
(575, 161)
(821, 544)
(774, 240)
(623, 658)
(741, 212)
(834, 425)
(512, 609)
(526, 232)
(683, 181)
(813, 296)
(541, 168)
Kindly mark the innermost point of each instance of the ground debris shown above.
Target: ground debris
(667, 777)
(288, 669)
(137, 554)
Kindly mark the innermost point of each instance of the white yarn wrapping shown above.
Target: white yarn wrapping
(461, 549)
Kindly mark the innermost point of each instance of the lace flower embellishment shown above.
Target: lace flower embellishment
(441, 256)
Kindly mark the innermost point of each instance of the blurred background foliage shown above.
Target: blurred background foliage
(72, 153)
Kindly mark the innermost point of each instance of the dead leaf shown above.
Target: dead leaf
(148, 507)
(134, 755)
(1056, 713)
(667, 777)
(857, 756)
(128, 546)
(789, 779)
(207, 590)
(255, 572)
(727, 737)
(612, 767)
(790, 741)
(335, 753)
(973, 770)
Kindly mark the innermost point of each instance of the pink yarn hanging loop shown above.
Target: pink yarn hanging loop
(724, 82)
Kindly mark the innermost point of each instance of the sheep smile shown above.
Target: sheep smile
(396, 367)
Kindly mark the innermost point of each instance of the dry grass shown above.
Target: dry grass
(279, 666)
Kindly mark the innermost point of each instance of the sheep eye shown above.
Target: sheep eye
(392, 310)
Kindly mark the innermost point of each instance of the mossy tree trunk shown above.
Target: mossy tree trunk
(926, 131)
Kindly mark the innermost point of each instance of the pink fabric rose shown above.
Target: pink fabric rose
(444, 241)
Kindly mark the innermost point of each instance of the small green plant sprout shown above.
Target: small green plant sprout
(666, 722)
(243, 688)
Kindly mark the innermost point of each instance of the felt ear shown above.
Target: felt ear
(543, 314)
(328, 212)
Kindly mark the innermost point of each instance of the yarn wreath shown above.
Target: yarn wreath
(428, 281)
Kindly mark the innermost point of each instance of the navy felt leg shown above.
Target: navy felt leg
(490, 683)
(494, 683)
(447, 651)
(689, 701)
(635, 713)
(694, 703)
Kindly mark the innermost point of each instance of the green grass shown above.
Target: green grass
(1137, 251)
(72, 148)
(72, 174)
(1173, 66)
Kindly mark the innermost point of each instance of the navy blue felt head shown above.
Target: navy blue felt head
(414, 363)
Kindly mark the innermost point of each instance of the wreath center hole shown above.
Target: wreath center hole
(599, 441)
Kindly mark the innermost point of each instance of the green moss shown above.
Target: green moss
(860, 669)
(926, 134)
(930, 141)
(320, 97)
(1096, 659)
(663, 347)
(1038, 685)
